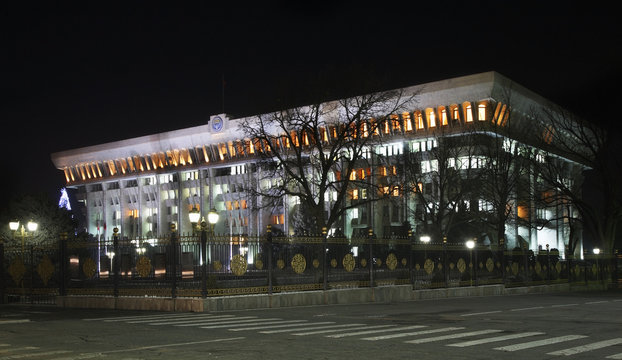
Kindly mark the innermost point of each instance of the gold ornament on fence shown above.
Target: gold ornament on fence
(348, 262)
(143, 266)
(490, 265)
(258, 263)
(316, 263)
(461, 265)
(299, 263)
(89, 268)
(280, 264)
(363, 262)
(378, 262)
(558, 267)
(238, 265)
(428, 266)
(45, 269)
(217, 265)
(538, 268)
(514, 268)
(333, 263)
(404, 262)
(391, 261)
(17, 270)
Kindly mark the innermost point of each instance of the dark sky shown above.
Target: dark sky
(82, 73)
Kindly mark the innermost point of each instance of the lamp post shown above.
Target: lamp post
(470, 244)
(212, 219)
(410, 263)
(425, 239)
(32, 227)
(596, 253)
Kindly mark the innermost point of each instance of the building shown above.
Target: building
(144, 184)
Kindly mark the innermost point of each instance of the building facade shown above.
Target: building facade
(142, 185)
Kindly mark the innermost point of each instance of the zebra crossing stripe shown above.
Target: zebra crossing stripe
(136, 317)
(46, 353)
(588, 347)
(280, 324)
(495, 339)
(228, 320)
(4, 351)
(452, 336)
(336, 330)
(237, 323)
(193, 320)
(310, 328)
(416, 333)
(616, 356)
(337, 336)
(532, 344)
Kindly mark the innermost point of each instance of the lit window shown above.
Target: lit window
(419, 120)
(431, 118)
(469, 113)
(444, 116)
(481, 112)
(355, 194)
(407, 121)
(455, 114)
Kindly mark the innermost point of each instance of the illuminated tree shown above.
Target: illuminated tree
(311, 154)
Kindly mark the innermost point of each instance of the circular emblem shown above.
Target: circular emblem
(45, 269)
(217, 123)
(428, 265)
(490, 265)
(143, 266)
(391, 261)
(348, 262)
(363, 262)
(258, 262)
(89, 268)
(461, 265)
(333, 262)
(299, 264)
(238, 265)
(280, 264)
(404, 262)
(316, 263)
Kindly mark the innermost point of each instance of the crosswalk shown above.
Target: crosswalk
(499, 340)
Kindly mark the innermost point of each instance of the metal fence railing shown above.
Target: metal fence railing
(203, 265)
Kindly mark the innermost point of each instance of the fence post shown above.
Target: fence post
(204, 257)
(62, 266)
(445, 272)
(1, 271)
(502, 260)
(32, 274)
(269, 245)
(371, 257)
(173, 261)
(115, 261)
(410, 263)
(325, 258)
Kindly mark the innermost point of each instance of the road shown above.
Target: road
(551, 326)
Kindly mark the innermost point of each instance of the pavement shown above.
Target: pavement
(535, 326)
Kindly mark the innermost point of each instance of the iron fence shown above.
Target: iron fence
(204, 264)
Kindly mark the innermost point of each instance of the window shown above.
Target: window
(408, 126)
(419, 120)
(468, 111)
(444, 120)
(481, 112)
(431, 117)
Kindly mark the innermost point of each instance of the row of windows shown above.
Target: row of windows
(406, 122)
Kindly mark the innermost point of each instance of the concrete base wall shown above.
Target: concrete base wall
(381, 294)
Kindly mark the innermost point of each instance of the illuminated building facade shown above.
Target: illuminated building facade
(144, 184)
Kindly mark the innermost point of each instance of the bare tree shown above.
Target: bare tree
(440, 174)
(572, 145)
(310, 152)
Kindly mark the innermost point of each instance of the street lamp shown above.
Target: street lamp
(194, 215)
(470, 244)
(212, 218)
(597, 252)
(425, 239)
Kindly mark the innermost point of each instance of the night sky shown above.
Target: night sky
(82, 73)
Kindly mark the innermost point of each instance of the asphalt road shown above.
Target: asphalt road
(552, 326)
